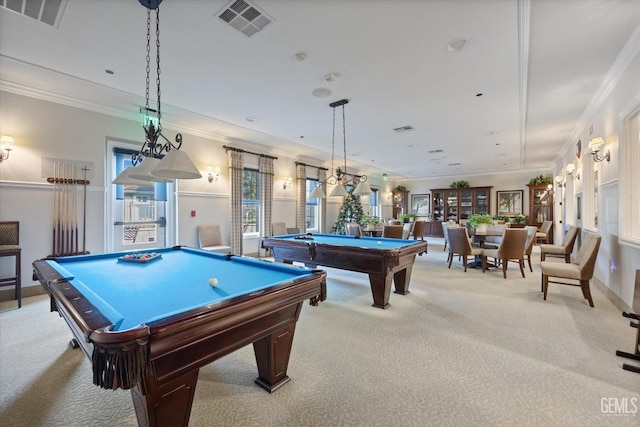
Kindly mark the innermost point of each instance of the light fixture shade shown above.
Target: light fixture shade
(339, 190)
(363, 189)
(317, 193)
(143, 171)
(595, 143)
(571, 168)
(176, 165)
(124, 178)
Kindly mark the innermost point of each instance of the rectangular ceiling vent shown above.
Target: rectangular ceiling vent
(244, 17)
(404, 129)
(435, 151)
(45, 11)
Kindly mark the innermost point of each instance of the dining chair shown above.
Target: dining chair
(278, 229)
(10, 246)
(563, 250)
(352, 229)
(512, 248)
(580, 271)
(542, 236)
(407, 229)
(493, 242)
(459, 244)
(528, 246)
(392, 231)
(418, 230)
(210, 239)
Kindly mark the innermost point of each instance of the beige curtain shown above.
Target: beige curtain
(265, 169)
(236, 167)
(301, 198)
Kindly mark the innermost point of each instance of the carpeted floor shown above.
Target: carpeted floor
(468, 349)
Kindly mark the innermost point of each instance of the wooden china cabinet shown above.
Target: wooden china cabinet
(400, 203)
(540, 204)
(458, 204)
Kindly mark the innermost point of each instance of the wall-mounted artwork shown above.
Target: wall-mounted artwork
(420, 204)
(509, 203)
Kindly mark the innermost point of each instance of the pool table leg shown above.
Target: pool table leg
(272, 357)
(401, 279)
(169, 405)
(380, 289)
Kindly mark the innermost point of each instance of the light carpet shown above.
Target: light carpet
(468, 349)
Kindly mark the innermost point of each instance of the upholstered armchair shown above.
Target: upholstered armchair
(543, 234)
(352, 229)
(459, 244)
(210, 239)
(581, 271)
(563, 250)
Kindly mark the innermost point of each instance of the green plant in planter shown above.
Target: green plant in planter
(502, 218)
(369, 220)
(409, 217)
(459, 184)
(520, 219)
(400, 188)
(477, 219)
(541, 180)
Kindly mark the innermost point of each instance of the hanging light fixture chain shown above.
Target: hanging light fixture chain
(344, 139)
(158, 63)
(146, 105)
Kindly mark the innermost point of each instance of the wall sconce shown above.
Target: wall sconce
(595, 145)
(5, 147)
(214, 173)
(286, 182)
(571, 171)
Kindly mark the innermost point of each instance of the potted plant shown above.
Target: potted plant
(480, 221)
(536, 180)
(369, 222)
(409, 217)
(459, 184)
(400, 188)
(520, 219)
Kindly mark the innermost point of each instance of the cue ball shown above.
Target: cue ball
(379, 242)
(213, 282)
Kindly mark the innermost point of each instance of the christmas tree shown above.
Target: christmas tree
(351, 211)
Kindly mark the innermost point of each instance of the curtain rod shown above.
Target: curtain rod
(240, 150)
(311, 166)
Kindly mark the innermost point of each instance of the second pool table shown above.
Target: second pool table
(384, 260)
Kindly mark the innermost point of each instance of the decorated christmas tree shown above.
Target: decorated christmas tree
(351, 211)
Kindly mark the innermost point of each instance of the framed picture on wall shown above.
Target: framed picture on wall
(509, 203)
(420, 204)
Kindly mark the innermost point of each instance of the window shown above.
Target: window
(250, 201)
(370, 204)
(311, 212)
(630, 177)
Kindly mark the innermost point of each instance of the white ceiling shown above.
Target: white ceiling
(538, 64)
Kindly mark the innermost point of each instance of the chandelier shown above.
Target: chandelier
(159, 159)
(341, 178)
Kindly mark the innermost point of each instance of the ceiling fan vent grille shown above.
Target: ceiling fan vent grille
(46, 11)
(244, 17)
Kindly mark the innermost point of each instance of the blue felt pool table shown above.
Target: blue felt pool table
(149, 324)
(384, 260)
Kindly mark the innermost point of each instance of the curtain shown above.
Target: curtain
(322, 203)
(265, 169)
(301, 198)
(236, 167)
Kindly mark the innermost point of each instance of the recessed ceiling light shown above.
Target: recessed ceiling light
(321, 92)
(411, 146)
(301, 56)
(458, 44)
(491, 133)
(331, 77)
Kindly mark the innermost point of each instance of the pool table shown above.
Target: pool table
(149, 324)
(384, 260)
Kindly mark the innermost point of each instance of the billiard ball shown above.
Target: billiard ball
(379, 242)
(213, 282)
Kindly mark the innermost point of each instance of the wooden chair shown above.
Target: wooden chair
(352, 229)
(392, 231)
(293, 230)
(418, 230)
(459, 244)
(512, 248)
(581, 271)
(278, 229)
(10, 246)
(528, 246)
(542, 236)
(563, 250)
(210, 239)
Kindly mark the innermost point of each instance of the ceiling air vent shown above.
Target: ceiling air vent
(45, 11)
(244, 17)
(404, 129)
(435, 151)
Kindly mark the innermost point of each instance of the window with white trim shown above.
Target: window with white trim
(629, 152)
